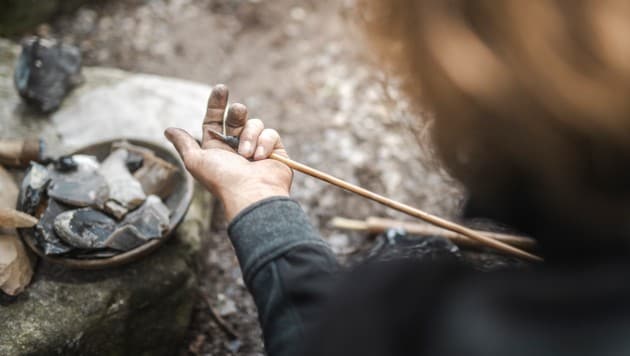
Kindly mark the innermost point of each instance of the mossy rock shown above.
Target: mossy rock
(140, 309)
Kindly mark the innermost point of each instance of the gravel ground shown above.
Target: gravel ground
(300, 66)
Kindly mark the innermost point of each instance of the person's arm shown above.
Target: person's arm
(286, 265)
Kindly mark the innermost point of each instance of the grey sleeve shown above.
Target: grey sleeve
(286, 266)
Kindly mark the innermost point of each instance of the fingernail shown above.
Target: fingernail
(245, 149)
(260, 153)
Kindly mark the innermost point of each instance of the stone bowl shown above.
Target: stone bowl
(178, 202)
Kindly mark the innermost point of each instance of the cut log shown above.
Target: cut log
(16, 268)
(19, 152)
(8, 190)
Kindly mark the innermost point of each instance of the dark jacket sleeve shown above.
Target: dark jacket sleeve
(286, 266)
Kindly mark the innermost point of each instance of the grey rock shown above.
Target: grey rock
(124, 190)
(44, 231)
(138, 106)
(84, 228)
(81, 189)
(46, 71)
(125, 238)
(151, 218)
(148, 222)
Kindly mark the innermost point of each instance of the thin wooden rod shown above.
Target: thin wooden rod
(409, 210)
(376, 225)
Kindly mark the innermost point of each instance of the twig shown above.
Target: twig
(409, 210)
(223, 325)
(378, 225)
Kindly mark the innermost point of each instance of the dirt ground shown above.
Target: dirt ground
(302, 67)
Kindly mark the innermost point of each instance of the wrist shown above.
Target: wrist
(236, 201)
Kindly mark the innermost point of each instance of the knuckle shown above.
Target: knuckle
(256, 123)
(252, 128)
(269, 135)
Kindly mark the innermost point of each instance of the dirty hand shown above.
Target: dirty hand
(240, 178)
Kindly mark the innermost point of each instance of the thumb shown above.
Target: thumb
(185, 145)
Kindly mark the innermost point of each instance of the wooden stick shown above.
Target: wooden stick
(14, 218)
(409, 210)
(377, 225)
(19, 152)
(233, 142)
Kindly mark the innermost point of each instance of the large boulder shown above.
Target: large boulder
(139, 309)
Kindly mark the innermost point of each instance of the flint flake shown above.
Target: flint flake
(124, 189)
(45, 234)
(84, 228)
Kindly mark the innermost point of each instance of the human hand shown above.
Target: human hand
(241, 178)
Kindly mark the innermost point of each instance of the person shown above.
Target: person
(532, 115)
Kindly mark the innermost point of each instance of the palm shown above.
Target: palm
(237, 178)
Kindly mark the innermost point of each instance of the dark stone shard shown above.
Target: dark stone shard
(84, 228)
(44, 231)
(81, 189)
(148, 222)
(134, 161)
(395, 244)
(46, 71)
(125, 238)
(33, 189)
(66, 164)
(151, 219)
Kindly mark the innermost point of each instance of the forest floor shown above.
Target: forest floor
(301, 66)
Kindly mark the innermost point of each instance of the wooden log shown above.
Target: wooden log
(16, 266)
(19, 152)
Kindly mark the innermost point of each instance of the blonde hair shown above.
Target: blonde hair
(536, 88)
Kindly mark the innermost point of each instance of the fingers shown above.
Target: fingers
(185, 145)
(268, 143)
(214, 115)
(236, 119)
(249, 137)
